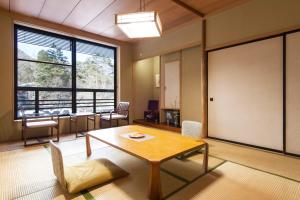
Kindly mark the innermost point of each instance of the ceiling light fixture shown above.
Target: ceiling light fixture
(141, 24)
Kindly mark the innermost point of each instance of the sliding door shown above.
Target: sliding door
(245, 93)
(293, 93)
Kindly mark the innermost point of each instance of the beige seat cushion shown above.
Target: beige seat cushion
(114, 116)
(91, 173)
(37, 124)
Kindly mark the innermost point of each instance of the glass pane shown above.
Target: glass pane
(26, 100)
(36, 46)
(104, 101)
(95, 66)
(55, 102)
(84, 102)
(31, 74)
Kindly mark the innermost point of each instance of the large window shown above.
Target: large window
(56, 74)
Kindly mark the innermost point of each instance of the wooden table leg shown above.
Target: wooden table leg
(88, 145)
(155, 184)
(205, 158)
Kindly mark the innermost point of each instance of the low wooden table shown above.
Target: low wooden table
(74, 119)
(161, 146)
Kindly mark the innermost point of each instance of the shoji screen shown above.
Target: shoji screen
(245, 83)
(293, 93)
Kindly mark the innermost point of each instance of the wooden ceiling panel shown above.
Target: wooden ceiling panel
(107, 18)
(57, 10)
(115, 32)
(86, 11)
(179, 21)
(170, 14)
(30, 8)
(210, 6)
(98, 16)
(174, 16)
(4, 4)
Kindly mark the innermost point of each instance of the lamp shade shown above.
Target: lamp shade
(139, 24)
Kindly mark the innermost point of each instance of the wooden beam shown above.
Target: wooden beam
(186, 6)
(204, 82)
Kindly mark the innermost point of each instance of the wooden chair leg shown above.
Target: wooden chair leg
(110, 121)
(22, 133)
(57, 133)
(51, 131)
(70, 125)
(100, 123)
(25, 142)
(87, 123)
(76, 125)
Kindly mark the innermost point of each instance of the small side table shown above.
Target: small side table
(74, 120)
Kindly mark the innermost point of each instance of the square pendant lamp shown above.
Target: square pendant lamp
(140, 24)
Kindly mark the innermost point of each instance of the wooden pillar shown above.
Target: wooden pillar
(204, 82)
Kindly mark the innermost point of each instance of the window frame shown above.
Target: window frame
(73, 89)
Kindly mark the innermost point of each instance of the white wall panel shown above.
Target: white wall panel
(172, 84)
(245, 83)
(293, 93)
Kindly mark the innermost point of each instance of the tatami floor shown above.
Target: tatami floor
(236, 172)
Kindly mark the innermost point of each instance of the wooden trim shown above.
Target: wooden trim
(162, 126)
(204, 83)
(284, 92)
(180, 87)
(292, 154)
(245, 144)
(162, 90)
(186, 6)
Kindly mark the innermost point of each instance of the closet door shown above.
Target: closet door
(245, 94)
(293, 93)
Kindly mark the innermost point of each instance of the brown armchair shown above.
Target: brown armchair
(37, 120)
(120, 113)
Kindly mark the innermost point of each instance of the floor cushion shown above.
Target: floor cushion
(91, 173)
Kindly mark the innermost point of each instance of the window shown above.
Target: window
(59, 75)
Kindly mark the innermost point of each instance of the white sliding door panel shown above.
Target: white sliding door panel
(172, 84)
(245, 83)
(293, 93)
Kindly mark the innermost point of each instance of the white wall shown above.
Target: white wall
(143, 85)
(184, 36)
(191, 84)
(251, 20)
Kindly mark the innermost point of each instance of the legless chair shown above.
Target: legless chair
(84, 175)
(191, 129)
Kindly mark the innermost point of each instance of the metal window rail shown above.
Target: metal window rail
(37, 105)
